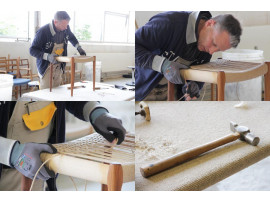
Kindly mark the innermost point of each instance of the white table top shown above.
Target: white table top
(62, 93)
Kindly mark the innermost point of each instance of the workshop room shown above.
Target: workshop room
(209, 146)
(232, 74)
(96, 62)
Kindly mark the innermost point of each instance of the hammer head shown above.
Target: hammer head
(146, 111)
(245, 134)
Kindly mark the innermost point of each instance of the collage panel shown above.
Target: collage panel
(221, 55)
(67, 56)
(210, 146)
(67, 146)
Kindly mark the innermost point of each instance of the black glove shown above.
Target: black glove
(81, 51)
(26, 159)
(192, 89)
(109, 126)
(51, 58)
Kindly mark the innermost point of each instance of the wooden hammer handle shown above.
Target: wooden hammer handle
(183, 156)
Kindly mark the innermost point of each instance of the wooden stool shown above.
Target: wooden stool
(228, 72)
(94, 159)
(72, 60)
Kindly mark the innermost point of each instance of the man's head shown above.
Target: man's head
(219, 34)
(61, 20)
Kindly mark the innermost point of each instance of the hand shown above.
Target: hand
(51, 58)
(26, 159)
(171, 71)
(81, 51)
(191, 91)
(109, 126)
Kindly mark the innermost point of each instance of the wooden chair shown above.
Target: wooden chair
(4, 67)
(18, 81)
(25, 67)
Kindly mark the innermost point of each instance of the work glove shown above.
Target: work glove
(107, 125)
(171, 71)
(81, 51)
(51, 58)
(26, 159)
(191, 90)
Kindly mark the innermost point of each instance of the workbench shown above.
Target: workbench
(73, 60)
(106, 92)
(175, 127)
(223, 72)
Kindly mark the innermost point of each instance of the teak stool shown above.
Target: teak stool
(226, 72)
(92, 158)
(72, 60)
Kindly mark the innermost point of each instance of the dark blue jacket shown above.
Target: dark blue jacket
(165, 32)
(44, 42)
(59, 129)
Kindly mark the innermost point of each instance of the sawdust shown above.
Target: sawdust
(150, 151)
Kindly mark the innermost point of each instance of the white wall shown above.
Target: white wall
(114, 57)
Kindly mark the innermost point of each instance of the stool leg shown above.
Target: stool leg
(25, 183)
(267, 84)
(115, 177)
(221, 85)
(170, 96)
(104, 187)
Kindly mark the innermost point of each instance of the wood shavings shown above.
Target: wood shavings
(242, 105)
(155, 151)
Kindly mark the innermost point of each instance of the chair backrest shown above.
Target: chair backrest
(14, 64)
(3, 65)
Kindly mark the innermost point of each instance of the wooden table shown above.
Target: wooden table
(82, 92)
(226, 72)
(72, 60)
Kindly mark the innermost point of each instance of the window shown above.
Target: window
(92, 26)
(105, 27)
(116, 27)
(14, 26)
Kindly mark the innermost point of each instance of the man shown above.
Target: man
(27, 128)
(172, 41)
(51, 41)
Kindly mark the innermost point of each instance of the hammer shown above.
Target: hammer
(145, 111)
(240, 132)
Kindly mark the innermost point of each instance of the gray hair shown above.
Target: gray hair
(61, 15)
(231, 25)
